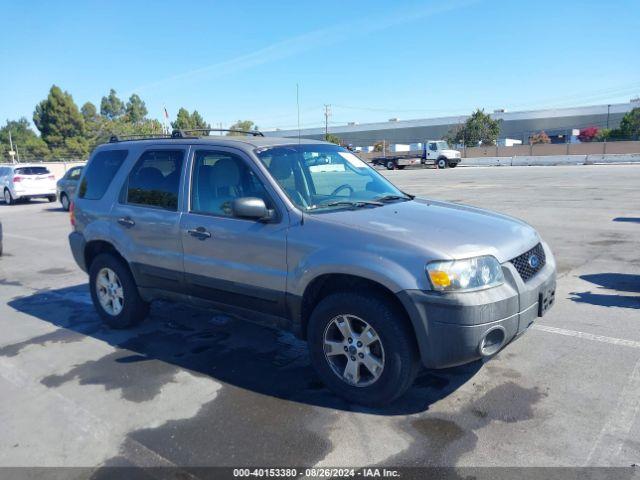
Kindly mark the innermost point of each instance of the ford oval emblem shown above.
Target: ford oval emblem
(534, 261)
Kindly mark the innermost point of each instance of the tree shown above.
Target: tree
(111, 106)
(478, 129)
(330, 137)
(603, 135)
(186, 121)
(378, 146)
(60, 123)
(29, 145)
(630, 124)
(540, 137)
(89, 112)
(588, 134)
(183, 120)
(197, 121)
(136, 110)
(244, 125)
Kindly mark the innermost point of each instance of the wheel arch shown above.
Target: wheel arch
(328, 283)
(94, 248)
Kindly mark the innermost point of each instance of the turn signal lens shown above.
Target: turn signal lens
(440, 278)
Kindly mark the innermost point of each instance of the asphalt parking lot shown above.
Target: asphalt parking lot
(196, 388)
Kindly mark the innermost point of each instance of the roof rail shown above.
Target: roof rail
(188, 133)
(140, 136)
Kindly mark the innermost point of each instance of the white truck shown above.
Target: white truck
(434, 152)
(438, 153)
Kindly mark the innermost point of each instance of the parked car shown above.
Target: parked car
(67, 185)
(24, 182)
(377, 281)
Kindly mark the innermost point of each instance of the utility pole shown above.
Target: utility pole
(327, 114)
(11, 151)
(608, 111)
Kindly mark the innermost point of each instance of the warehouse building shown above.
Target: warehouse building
(558, 123)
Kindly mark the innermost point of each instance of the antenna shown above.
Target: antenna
(298, 107)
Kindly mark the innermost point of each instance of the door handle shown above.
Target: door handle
(200, 233)
(126, 221)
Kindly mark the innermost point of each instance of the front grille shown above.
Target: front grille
(524, 265)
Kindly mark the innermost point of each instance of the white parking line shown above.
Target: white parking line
(615, 432)
(32, 239)
(587, 336)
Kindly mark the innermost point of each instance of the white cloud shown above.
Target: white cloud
(305, 42)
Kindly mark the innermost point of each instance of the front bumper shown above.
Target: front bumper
(455, 328)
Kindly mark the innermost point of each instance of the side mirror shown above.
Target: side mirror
(251, 207)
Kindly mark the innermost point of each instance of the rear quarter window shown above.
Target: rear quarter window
(100, 172)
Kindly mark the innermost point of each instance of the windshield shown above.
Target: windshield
(442, 145)
(320, 177)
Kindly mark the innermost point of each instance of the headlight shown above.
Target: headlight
(469, 274)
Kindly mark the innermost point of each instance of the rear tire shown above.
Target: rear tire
(126, 313)
(401, 167)
(51, 198)
(64, 201)
(8, 198)
(398, 360)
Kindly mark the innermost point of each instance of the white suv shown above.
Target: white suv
(22, 181)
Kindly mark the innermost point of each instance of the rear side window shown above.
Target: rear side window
(100, 173)
(32, 171)
(155, 179)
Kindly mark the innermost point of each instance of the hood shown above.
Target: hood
(451, 153)
(442, 230)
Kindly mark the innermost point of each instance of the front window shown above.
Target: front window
(442, 145)
(321, 177)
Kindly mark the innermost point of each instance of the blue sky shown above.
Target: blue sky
(371, 60)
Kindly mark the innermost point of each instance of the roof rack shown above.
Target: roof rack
(188, 133)
(181, 133)
(140, 136)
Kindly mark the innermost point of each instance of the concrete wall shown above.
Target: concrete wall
(593, 148)
(549, 160)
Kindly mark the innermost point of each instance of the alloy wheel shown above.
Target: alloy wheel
(353, 350)
(110, 291)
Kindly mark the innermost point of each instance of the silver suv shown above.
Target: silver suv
(306, 237)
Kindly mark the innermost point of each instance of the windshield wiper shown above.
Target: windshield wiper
(349, 203)
(390, 198)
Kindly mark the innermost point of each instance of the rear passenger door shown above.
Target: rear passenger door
(229, 260)
(146, 218)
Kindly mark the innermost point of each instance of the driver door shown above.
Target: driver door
(228, 260)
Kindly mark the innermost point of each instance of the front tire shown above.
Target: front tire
(442, 163)
(114, 292)
(453, 164)
(51, 198)
(362, 348)
(391, 165)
